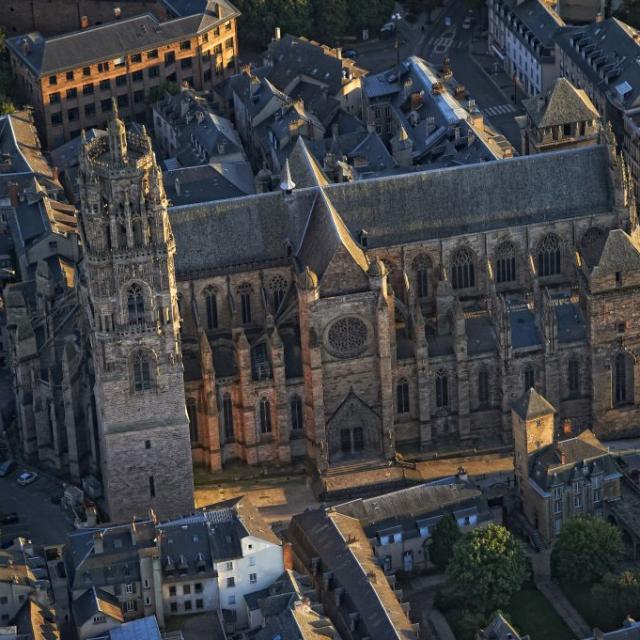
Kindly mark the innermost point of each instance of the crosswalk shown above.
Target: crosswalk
(499, 110)
(446, 42)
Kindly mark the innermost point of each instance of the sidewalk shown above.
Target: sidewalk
(542, 577)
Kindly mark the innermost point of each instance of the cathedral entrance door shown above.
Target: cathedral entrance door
(358, 439)
(345, 441)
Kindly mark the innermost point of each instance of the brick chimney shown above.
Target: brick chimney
(84, 22)
(98, 542)
(287, 553)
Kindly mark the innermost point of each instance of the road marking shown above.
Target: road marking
(430, 40)
(499, 109)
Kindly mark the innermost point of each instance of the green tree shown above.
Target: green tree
(617, 596)
(294, 16)
(330, 19)
(445, 535)
(157, 93)
(488, 565)
(586, 550)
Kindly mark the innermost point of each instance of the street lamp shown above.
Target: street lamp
(396, 18)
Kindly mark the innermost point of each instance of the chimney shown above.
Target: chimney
(567, 428)
(117, 13)
(339, 53)
(84, 22)
(599, 18)
(562, 455)
(134, 533)
(277, 35)
(98, 542)
(215, 9)
(177, 187)
(287, 553)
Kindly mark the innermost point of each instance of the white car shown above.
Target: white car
(27, 477)
(447, 21)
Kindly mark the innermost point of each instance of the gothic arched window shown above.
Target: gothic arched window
(592, 244)
(245, 303)
(278, 288)
(505, 262)
(295, 406)
(483, 387)
(549, 256)
(442, 389)
(227, 416)
(141, 371)
(402, 396)
(528, 377)
(573, 376)
(462, 269)
(623, 379)
(265, 416)
(421, 265)
(192, 413)
(135, 304)
(211, 307)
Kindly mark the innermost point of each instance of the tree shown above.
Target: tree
(158, 93)
(617, 596)
(445, 535)
(331, 19)
(586, 550)
(488, 565)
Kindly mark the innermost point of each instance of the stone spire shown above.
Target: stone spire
(117, 138)
(287, 185)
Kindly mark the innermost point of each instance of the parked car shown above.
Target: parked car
(350, 53)
(6, 467)
(447, 21)
(467, 23)
(9, 518)
(27, 477)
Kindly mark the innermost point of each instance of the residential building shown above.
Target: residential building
(204, 561)
(558, 479)
(187, 128)
(564, 117)
(600, 58)
(59, 16)
(358, 597)
(630, 630)
(414, 111)
(399, 524)
(522, 37)
(37, 620)
(70, 79)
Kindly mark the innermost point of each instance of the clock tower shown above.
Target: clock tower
(532, 419)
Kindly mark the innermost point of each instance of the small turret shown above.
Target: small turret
(117, 134)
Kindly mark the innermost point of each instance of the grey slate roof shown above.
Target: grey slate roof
(141, 629)
(562, 104)
(481, 197)
(540, 20)
(532, 405)
(621, 252)
(104, 42)
(94, 601)
(607, 53)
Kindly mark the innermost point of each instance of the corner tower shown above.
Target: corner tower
(130, 293)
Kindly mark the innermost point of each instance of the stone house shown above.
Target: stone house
(558, 479)
(399, 525)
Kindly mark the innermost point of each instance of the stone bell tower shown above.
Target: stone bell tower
(130, 295)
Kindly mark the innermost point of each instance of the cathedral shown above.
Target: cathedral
(340, 323)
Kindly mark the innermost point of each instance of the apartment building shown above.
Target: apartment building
(521, 35)
(71, 79)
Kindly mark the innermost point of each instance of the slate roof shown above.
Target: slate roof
(579, 457)
(141, 629)
(108, 41)
(525, 332)
(563, 104)
(94, 601)
(499, 628)
(403, 510)
(621, 252)
(481, 197)
(209, 182)
(304, 168)
(324, 234)
(611, 49)
(532, 405)
(539, 19)
(291, 57)
(343, 549)
(570, 322)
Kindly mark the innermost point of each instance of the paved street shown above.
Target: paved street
(40, 520)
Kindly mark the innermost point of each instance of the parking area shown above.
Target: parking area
(39, 519)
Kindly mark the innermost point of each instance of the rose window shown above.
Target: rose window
(347, 337)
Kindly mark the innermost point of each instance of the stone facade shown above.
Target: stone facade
(130, 298)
